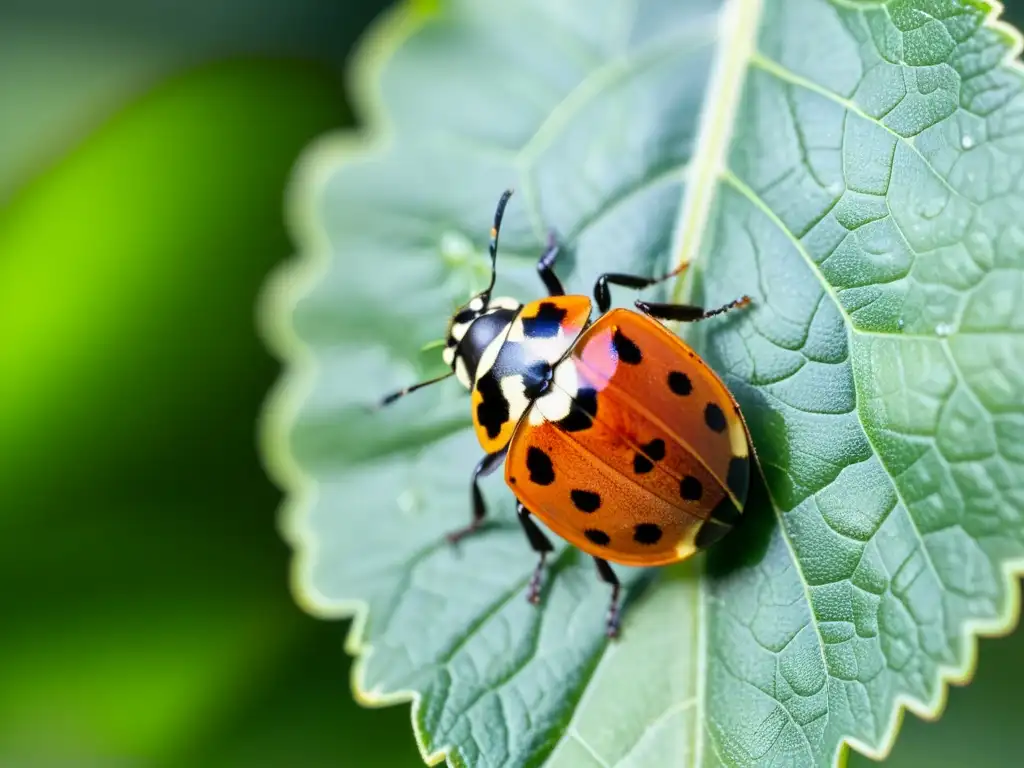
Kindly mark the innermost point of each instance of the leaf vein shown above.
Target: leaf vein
(772, 67)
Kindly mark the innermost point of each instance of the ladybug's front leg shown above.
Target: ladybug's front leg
(546, 267)
(608, 576)
(541, 545)
(487, 464)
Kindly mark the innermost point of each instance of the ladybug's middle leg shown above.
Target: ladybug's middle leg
(604, 298)
(546, 267)
(541, 545)
(487, 464)
(608, 576)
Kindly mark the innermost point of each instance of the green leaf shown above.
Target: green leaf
(852, 166)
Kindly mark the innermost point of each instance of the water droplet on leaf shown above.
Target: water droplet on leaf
(456, 248)
(408, 501)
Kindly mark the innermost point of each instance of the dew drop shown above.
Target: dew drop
(408, 501)
(943, 329)
(966, 141)
(900, 323)
(456, 248)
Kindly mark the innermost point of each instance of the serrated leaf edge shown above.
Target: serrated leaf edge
(281, 293)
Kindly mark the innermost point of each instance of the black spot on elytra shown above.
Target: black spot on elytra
(655, 449)
(709, 533)
(643, 461)
(547, 322)
(542, 472)
(647, 533)
(714, 417)
(641, 464)
(582, 412)
(597, 536)
(585, 501)
(625, 349)
(690, 488)
(738, 477)
(492, 410)
(679, 383)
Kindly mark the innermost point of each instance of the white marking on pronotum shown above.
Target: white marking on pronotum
(547, 348)
(567, 378)
(490, 354)
(503, 302)
(459, 330)
(517, 333)
(448, 355)
(514, 391)
(556, 404)
(462, 374)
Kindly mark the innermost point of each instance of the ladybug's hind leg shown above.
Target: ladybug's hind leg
(687, 313)
(608, 576)
(541, 545)
(487, 464)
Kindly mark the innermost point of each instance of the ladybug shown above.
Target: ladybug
(614, 433)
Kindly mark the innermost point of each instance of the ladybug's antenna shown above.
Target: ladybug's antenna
(403, 392)
(493, 248)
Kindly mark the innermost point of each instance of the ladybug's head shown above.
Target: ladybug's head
(478, 328)
(475, 327)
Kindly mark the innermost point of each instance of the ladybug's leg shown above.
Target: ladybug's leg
(546, 267)
(487, 464)
(541, 545)
(688, 313)
(608, 576)
(604, 299)
(403, 392)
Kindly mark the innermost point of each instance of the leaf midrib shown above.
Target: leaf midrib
(739, 21)
(710, 170)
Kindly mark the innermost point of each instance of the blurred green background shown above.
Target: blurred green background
(147, 619)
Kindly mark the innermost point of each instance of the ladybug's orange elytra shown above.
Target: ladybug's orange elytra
(614, 433)
(658, 469)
